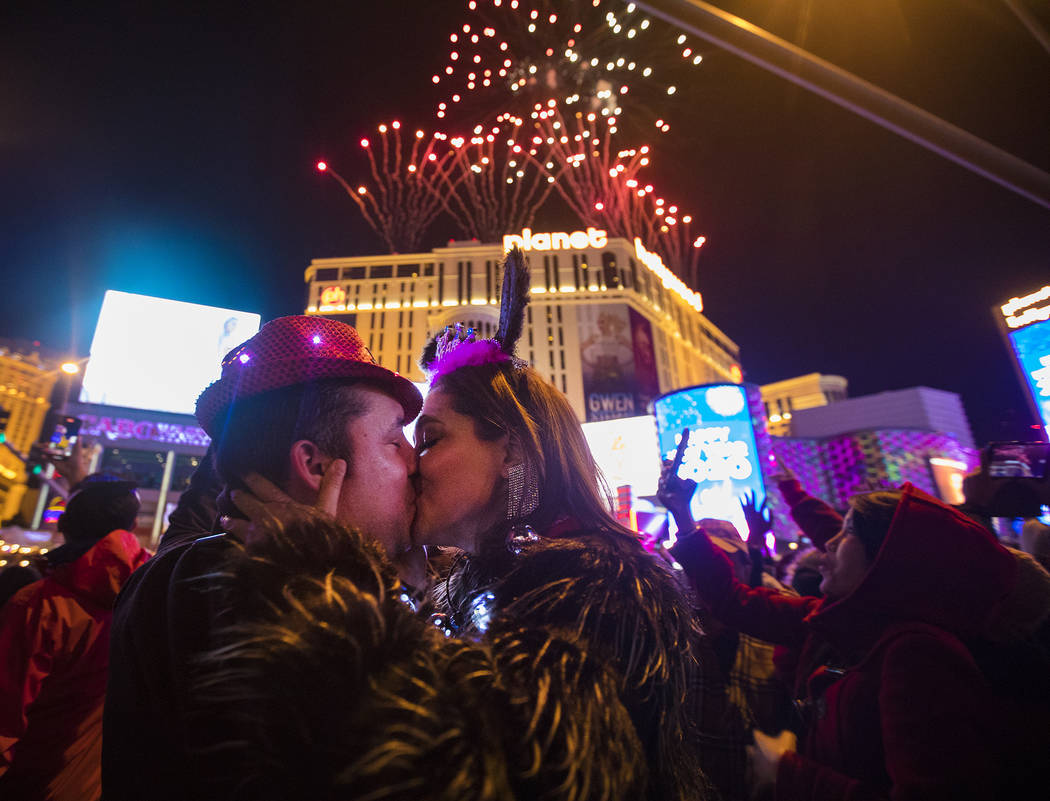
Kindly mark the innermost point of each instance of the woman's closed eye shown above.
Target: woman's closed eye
(425, 442)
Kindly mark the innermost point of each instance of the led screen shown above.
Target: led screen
(626, 452)
(157, 354)
(1031, 345)
(721, 456)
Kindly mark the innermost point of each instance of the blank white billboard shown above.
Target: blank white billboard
(158, 354)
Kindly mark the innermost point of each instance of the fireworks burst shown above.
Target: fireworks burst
(405, 195)
(509, 54)
(491, 186)
(512, 68)
(606, 186)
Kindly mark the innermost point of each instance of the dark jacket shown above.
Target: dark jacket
(163, 621)
(54, 642)
(909, 713)
(615, 599)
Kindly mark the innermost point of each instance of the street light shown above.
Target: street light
(70, 368)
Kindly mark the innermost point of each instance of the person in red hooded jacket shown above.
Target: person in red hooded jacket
(913, 590)
(54, 638)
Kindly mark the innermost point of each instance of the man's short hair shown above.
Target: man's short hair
(257, 433)
(99, 505)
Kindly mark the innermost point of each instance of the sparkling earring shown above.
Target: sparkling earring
(523, 491)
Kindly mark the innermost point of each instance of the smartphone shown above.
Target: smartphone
(62, 437)
(679, 454)
(1018, 460)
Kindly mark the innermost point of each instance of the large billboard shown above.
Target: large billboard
(158, 354)
(626, 452)
(617, 360)
(1026, 324)
(721, 456)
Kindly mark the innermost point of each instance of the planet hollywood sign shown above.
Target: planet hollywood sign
(558, 240)
(122, 428)
(597, 238)
(667, 278)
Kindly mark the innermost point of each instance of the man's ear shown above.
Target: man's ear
(306, 466)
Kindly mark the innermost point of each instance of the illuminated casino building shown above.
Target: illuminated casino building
(919, 435)
(1025, 325)
(26, 383)
(782, 399)
(609, 324)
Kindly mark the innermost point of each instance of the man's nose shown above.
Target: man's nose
(411, 458)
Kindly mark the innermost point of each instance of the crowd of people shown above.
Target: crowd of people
(336, 613)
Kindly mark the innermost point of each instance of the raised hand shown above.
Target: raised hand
(781, 472)
(759, 519)
(764, 757)
(674, 492)
(265, 505)
(78, 466)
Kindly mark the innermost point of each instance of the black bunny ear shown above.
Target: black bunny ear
(515, 297)
(429, 355)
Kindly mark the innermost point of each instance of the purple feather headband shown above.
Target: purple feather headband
(456, 348)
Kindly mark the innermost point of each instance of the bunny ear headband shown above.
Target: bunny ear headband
(458, 347)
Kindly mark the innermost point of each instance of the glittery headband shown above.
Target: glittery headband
(457, 347)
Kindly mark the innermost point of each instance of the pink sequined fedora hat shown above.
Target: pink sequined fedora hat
(296, 350)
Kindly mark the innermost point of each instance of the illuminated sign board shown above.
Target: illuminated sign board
(1031, 312)
(111, 429)
(1026, 322)
(333, 295)
(560, 240)
(669, 279)
(617, 361)
(722, 456)
(626, 452)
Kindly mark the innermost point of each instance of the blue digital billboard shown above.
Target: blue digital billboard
(1031, 346)
(721, 456)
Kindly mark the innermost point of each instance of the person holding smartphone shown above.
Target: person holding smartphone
(915, 593)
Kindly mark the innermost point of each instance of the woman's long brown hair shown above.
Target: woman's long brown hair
(504, 399)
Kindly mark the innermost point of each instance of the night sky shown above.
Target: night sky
(170, 152)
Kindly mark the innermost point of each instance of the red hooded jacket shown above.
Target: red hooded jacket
(54, 638)
(911, 715)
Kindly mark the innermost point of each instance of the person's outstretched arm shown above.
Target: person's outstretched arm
(762, 613)
(757, 611)
(759, 524)
(818, 521)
